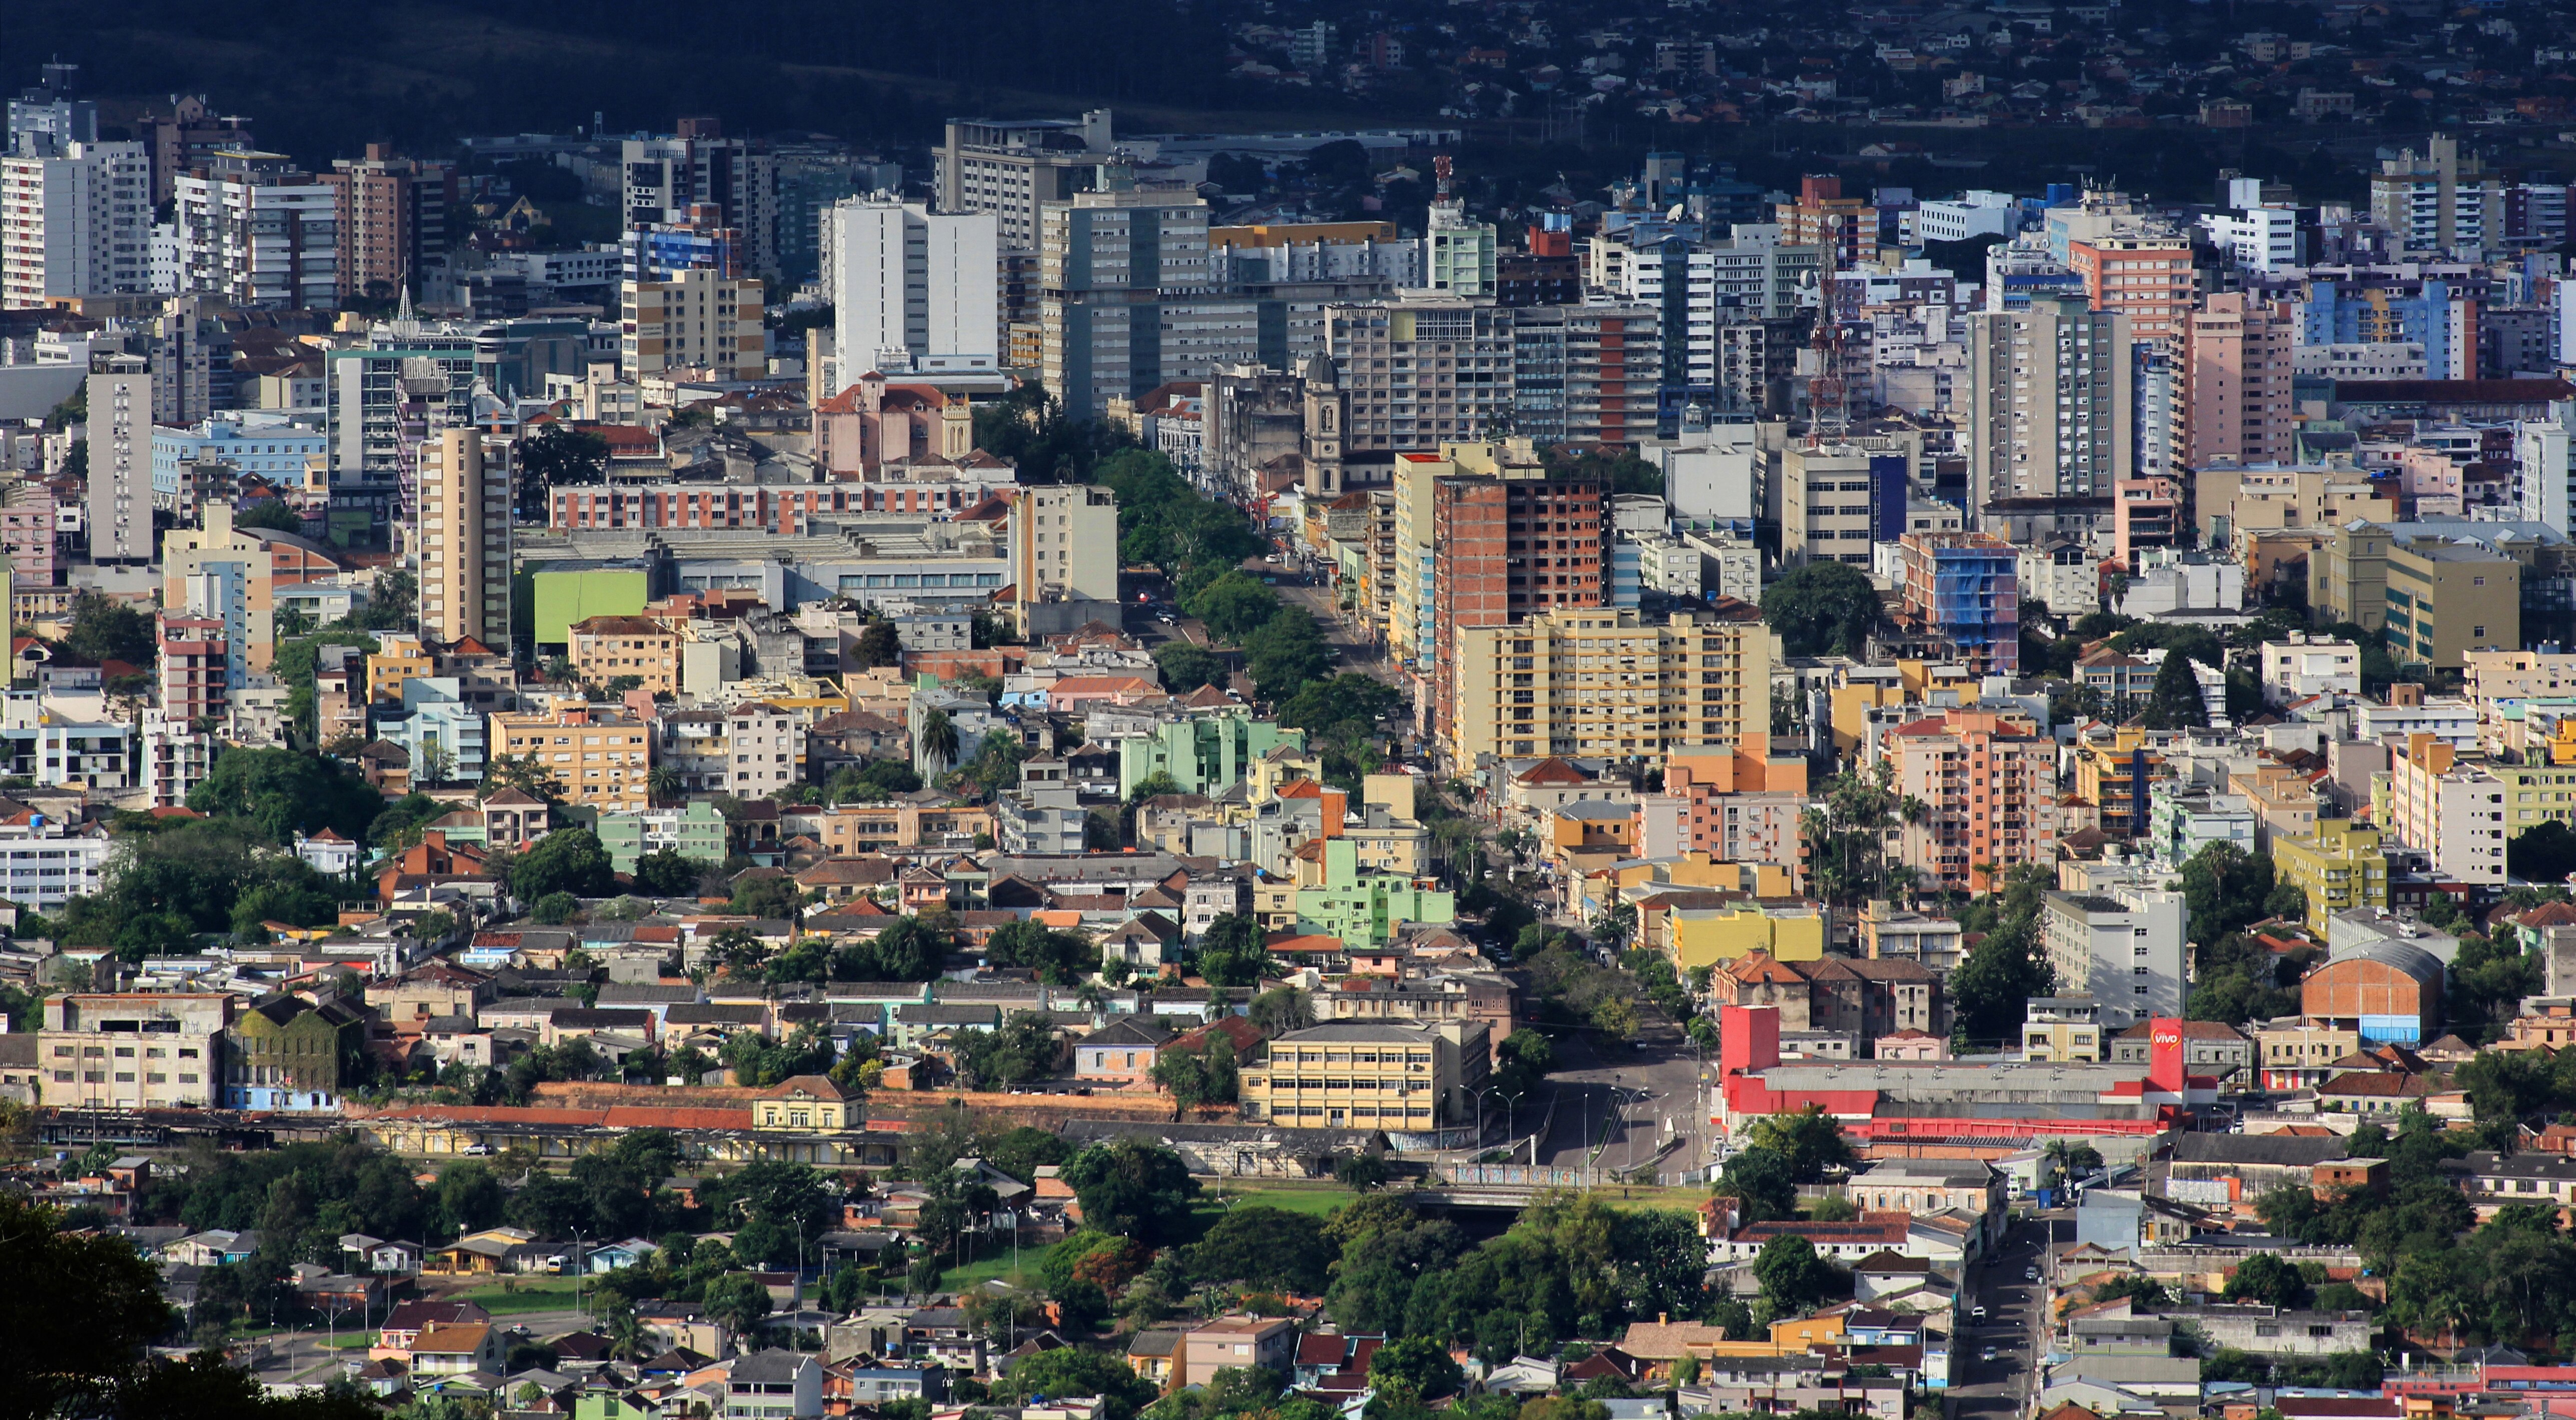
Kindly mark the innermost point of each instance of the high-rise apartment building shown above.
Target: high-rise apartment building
(1420, 373)
(1729, 309)
(1463, 253)
(601, 753)
(194, 657)
(911, 288)
(697, 320)
(2236, 366)
(463, 537)
(1823, 216)
(697, 173)
(1128, 302)
(2140, 268)
(1987, 780)
(1013, 169)
(75, 220)
(1837, 498)
(1962, 591)
(120, 459)
(2123, 948)
(2051, 403)
(2439, 200)
(384, 398)
(1585, 375)
(1506, 545)
(252, 229)
(1609, 683)
(392, 212)
(187, 138)
(1064, 542)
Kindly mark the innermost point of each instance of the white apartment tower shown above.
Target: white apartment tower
(911, 288)
(2124, 949)
(75, 221)
(254, 231)
(120, 459)
(464, 538)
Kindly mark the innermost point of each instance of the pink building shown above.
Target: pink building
(2432, 482)
(2144, 513)
(1988, 782)
(875, 422)
(27, 530)
(2236, 383)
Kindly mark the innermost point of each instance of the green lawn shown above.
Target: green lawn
(1317, 1198)
(535, 1294)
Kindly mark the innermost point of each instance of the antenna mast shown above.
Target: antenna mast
(1828, 397)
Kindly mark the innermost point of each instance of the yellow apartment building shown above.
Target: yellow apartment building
(603, 648)
(601, 753)
(2338, 866)
(1603, 681)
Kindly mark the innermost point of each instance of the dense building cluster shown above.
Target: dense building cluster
(696, 773)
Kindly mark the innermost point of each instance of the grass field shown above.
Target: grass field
(537, 1294)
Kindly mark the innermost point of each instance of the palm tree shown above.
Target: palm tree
(937, 743)
(663, 784)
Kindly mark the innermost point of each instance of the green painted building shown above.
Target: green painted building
(1366, 908)
(695, 830)
(552, 598)
(1204, 756)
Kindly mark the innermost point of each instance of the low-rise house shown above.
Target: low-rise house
(1154, 1354)
(1237, 1343)
(1121, 1053)
(2270, 1331)
(774, 1385)
(456, 1350)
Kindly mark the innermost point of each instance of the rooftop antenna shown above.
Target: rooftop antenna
(1828, 397)
(1440, 177)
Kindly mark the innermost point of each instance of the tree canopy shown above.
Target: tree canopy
(285, 795)
(1822, 609)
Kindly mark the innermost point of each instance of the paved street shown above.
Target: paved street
(2015, 1324)
(1618, 1101)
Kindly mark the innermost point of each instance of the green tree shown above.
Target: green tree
(76, 1311)
(104, 629)
(1075, 1370)
(2225, 890)
(1269, 1248)
(664, 873)
(1285, 654)
(2266, 1278)
(1186, 665)
(737, 1301)
(1233, 951)
(285, 795)
(1416, 1366)
(1809, 1139)
(523, 773)
(937, 739)
(1762, 1182)
(2542, 853)
(272, 514)
(568, 860)
(1233, 606)
(1198, 1075)
(556, 454)
(1795, 1279)
(1060, 956)
(1822, 609)
(2174, 702)
(1134, 1189)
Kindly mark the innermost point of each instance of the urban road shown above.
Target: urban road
(2015, 1329)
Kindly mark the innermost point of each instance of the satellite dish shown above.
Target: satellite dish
(1675, 215)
